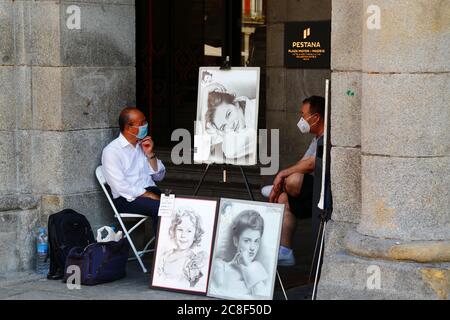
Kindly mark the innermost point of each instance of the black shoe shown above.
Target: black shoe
(55, 276)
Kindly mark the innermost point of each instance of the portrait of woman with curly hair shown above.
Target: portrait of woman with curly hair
(184, 245)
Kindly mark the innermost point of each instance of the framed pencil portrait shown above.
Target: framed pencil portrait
(246, 248)
(184, 246)
(227, 116)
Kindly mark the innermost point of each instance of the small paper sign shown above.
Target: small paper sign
(202, 147)
(166, 205)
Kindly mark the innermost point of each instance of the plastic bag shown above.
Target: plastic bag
(110, 236)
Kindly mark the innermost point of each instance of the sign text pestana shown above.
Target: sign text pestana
(303, 44)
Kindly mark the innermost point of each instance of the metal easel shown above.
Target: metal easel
(227, 66)
(224, 180)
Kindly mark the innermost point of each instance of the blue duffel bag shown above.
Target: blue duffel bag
(99, 262)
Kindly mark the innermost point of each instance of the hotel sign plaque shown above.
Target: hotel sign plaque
(307, 44)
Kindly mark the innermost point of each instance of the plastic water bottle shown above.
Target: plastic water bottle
(42, 259)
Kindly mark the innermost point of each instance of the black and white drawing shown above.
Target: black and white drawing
(246, 250)
(184, 246)
(227, 116)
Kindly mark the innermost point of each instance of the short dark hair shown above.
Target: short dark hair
(247, 219)
(194, 218)
(215, 99)
(124, 117)
(317, 105)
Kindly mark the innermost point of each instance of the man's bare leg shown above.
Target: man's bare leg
(289, 222)
(293, 185)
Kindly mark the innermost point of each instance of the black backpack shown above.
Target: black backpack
(66, 229)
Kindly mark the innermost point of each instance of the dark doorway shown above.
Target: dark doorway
(173, 41)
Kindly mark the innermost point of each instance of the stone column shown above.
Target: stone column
(19, 208)
(62, 91)
(81, 79)
(399, 230)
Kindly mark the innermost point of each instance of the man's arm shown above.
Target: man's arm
(303, 166)
(153, 161)
(156, 167)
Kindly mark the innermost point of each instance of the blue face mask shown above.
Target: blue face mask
(143, 130)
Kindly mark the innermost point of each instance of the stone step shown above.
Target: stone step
(211, 189)
(183, 179)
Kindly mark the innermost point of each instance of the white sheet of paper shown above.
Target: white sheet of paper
(202, 145)
(166, 205)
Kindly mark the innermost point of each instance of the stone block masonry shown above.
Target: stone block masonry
(399, 74)
(62, 89)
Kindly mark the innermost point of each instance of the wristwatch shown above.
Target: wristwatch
(153, 156)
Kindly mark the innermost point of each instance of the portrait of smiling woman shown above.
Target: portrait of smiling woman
(227, 113)
(243, 274)
(183, 248)
(245, 253)
(183, 262)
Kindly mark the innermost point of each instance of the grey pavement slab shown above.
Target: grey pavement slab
(135, 286)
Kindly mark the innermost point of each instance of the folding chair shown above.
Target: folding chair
(101, 179)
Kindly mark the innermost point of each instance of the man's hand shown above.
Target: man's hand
(151, 195)
(273, 196)
(277, 187)
(147, 145)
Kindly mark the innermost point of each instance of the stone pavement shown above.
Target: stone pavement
(135, 286)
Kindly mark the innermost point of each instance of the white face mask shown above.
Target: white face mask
(304, 126)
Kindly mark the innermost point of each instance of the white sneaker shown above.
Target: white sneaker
(286, 260)
(265, 191)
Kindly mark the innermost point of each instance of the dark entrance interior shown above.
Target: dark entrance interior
(175, 38)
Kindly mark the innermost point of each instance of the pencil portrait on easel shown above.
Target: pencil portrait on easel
(227, 116)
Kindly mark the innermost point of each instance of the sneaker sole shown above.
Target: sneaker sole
(286, 264)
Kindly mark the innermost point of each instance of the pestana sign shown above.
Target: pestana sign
(307, 44)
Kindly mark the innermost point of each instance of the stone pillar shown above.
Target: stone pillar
(64, 89)
(79, 85)
(19, 208)
(391, 223)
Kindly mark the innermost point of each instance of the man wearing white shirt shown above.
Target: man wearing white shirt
(130, 167)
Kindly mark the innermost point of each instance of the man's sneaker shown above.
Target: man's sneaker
(265, 191)
(286, 259)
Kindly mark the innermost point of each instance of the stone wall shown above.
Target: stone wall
(62, 90)
(287, 88)
(390, 166)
